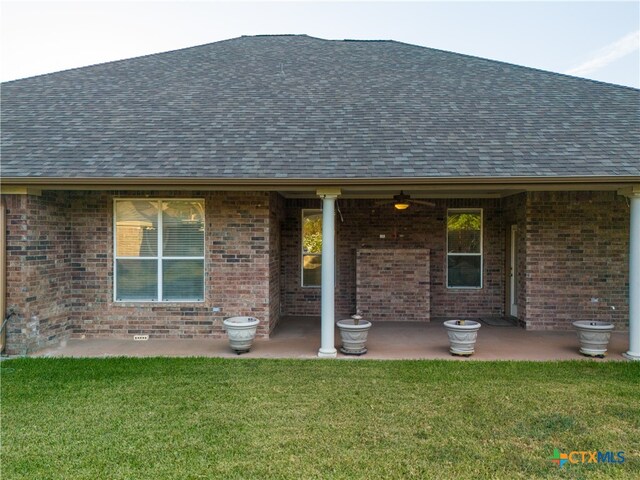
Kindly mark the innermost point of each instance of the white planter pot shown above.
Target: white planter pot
(241, 331)
(462, 336)
(354, 337)
(594, 337)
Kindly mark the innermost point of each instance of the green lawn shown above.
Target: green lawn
(243, 418)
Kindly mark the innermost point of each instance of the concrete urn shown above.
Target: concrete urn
(241, 332)
(594, 337)
(462, 336)
(354, 332)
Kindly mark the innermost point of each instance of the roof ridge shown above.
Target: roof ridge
(366, 40)
(275, 35)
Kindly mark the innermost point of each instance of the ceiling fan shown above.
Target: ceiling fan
(402, 201)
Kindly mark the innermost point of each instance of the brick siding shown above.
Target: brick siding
(39, 267)
(577, 246)
(276, 217)
(572, 246)
(60, 270)
(361, 223)
(296, 299)
(393, 284)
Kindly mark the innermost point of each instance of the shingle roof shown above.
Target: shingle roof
(288, 107)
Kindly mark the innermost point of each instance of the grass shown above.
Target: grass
(124, 418)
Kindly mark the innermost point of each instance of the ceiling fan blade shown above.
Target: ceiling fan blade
(423, 202)
(384, 202)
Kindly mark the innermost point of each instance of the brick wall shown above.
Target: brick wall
(276, 218)
(38, 271)
(572, 247)
(420, 227)
(237, 270)
(393, 284)
(296, 299)
(470, 303)
(577, 247)
(60, 269)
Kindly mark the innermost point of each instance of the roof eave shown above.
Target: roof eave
(582, 182)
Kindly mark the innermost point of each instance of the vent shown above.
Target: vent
(141, 338)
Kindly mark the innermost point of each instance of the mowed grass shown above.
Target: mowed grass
(167, 418)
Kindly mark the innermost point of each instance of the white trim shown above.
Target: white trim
(634, 279)
(159, 244)
(159, 257)
(302, 254)
(124, 257)
(327, 301)
(513, 265)
(115, 251)
(481, 254)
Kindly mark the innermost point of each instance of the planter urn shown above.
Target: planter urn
(354, 332)
(594, 337)
(462, 336)
(241, 332)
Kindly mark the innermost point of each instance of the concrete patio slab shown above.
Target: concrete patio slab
(299, 337)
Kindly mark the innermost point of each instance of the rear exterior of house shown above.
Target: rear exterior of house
(162, 194)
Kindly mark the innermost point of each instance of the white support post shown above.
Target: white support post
(634, 279)
(327, 348)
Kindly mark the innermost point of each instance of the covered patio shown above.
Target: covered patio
(298, 337)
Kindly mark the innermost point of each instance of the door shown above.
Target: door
(513, 272)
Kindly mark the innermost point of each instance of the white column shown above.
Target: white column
(634, 279)
(327, 348)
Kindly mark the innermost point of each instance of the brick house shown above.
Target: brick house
(267, 176)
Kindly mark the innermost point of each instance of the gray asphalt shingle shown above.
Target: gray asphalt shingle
(301, 107)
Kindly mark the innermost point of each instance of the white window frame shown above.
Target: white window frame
(481, 254)
(159, 258)
(302, 253)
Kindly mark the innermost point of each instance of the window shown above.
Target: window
(311, 247)
(159, 250)
(464, 248)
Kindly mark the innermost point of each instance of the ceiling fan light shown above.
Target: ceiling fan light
(401, 205)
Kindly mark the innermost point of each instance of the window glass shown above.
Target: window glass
(137, 280)
(183, 228)
(311, 248)
(142, 272)
(464, 271)
(311, 270)
(182, 280)
(464, 232)
(312, 232)
(136, 228)
(464, 248)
